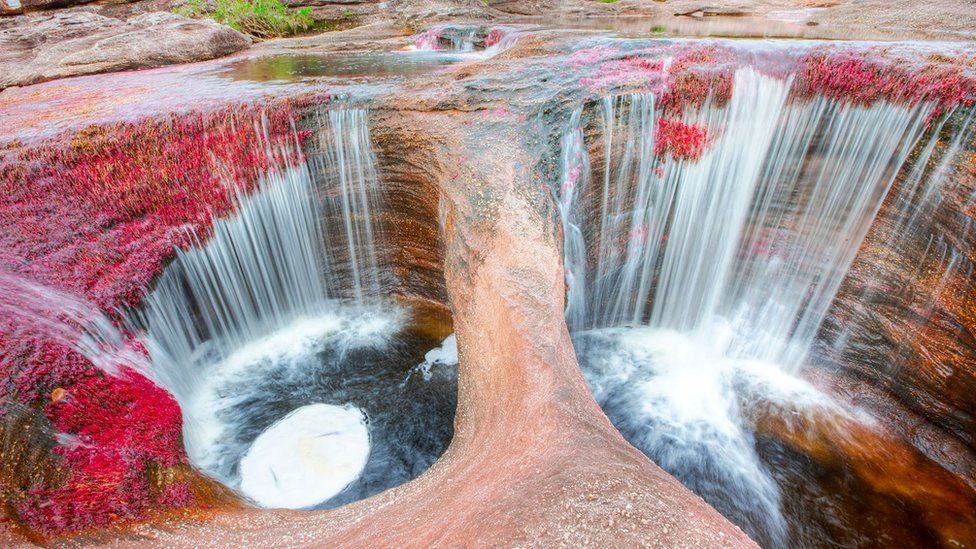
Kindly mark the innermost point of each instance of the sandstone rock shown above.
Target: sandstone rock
(714, 11)
(906, 317)
(421, 12)
(8, 7)
(71, 43)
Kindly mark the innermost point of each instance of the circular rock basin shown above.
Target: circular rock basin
(306, 457)
(291, 68)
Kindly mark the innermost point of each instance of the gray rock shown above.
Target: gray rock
(71, 43)
(8, 7)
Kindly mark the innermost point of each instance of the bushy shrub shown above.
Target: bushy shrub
(259, 18)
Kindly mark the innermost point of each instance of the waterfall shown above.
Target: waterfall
(575, 167)
(260, 270)
(757, 234)
(347, 164)
(711, 204)
(273, 262)
(291, 275)
(697, 286)
(796, 254)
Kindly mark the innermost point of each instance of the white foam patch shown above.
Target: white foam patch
(686, 403)
(292, 348)
(302, 337)
(445, 355)
(307, 457)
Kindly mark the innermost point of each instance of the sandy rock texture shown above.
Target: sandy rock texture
(13, 7)
(949, 15)
(71, 43)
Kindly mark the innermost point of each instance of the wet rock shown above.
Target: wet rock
(72, 43)
(903, 319)
(420, 12)
(913, 494)
(8, 7)
(714, 11)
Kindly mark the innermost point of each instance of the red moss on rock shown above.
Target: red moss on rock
(682, 75)
(682, 141)
(686, 76)
(697, 75)
(177, 494)
(429, 40)
(863, 77)
(98, 215)
(118, 427)
(494, 37)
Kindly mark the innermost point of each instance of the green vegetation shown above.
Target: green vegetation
(607, 1)
(259, 18)
(659, 29)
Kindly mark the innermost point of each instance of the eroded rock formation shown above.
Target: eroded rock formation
(472, 226)
(41, 48)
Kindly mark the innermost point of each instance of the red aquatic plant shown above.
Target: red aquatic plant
(429, 40)
(863, 77)
(680, 75)
(697, 74)
(494, 37)
(118, 427)
(682, 141)
(97, 215)
(177, 494)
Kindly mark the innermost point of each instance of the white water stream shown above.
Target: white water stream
(260, 295)
(693, 285)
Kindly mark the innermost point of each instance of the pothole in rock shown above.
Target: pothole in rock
(697, 287)
(308, 374)
(327, 411)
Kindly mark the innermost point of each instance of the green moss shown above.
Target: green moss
(259, 18)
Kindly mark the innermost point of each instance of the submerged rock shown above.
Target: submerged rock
(72, 43)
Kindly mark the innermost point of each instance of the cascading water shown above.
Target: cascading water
(264, 331)
(459, 39)
(68, 320)
(466, 41)
(259, 272)
(696, 286)
(348, 165)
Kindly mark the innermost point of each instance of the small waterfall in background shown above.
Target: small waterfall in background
(695, 286)
(466, 41)
(274, 338)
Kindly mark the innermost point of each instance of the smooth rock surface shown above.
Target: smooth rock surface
(71, 43)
